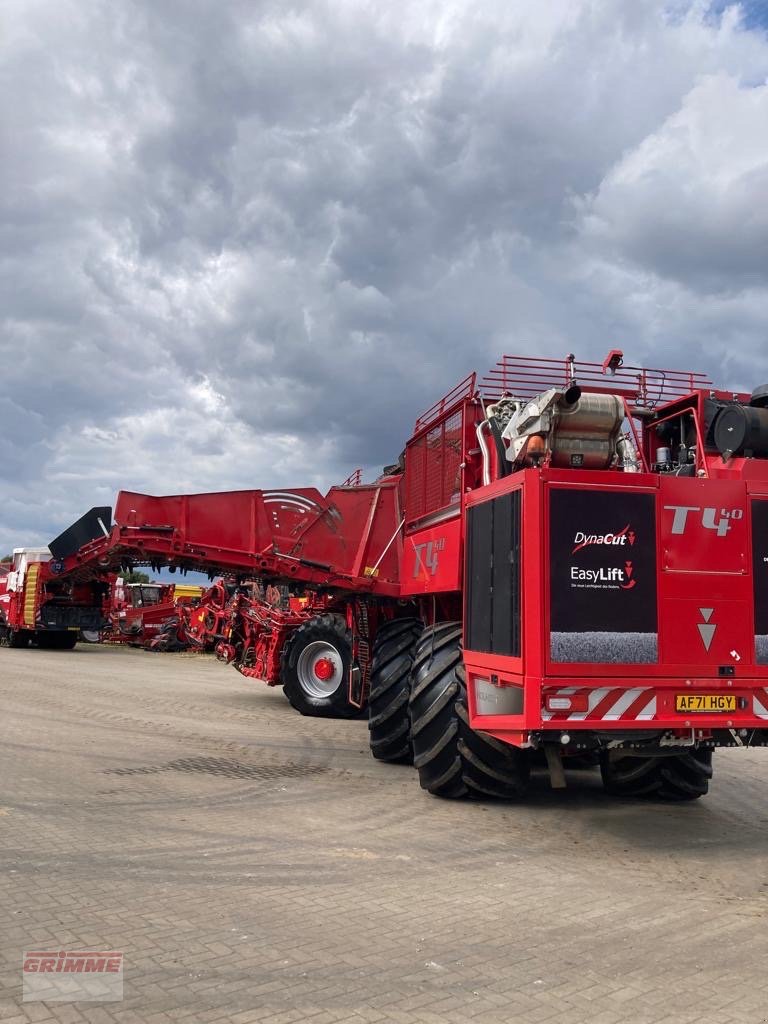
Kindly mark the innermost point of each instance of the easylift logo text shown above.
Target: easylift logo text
(613, 575)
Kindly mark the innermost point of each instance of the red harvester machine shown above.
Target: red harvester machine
(41, 608)
(571, 558)
(150, 614)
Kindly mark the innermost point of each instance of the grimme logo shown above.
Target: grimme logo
(72, 975)
(585, 540)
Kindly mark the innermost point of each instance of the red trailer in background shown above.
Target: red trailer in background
(570, 559)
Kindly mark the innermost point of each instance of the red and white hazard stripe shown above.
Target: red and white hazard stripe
(760, 703)
(606, 704)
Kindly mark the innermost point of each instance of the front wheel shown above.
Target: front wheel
(673, 777)
(452, 759)
(315, 668)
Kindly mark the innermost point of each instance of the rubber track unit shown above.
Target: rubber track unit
(452, 759)
(389, 722)
(332, 629)
(676, 777)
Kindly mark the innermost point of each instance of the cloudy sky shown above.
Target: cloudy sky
(246, 242)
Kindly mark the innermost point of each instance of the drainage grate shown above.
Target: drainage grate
(225, 769)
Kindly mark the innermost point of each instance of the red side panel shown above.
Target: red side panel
(351, 537)
(432, 559)
(703, 526)
(705, 584)
(232, 521)
(358, 533)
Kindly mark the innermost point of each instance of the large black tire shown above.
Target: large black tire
(322, 638)
(389, 723)
(674, 777)
(452, 759)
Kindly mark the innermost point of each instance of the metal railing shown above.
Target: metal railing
(642, 387)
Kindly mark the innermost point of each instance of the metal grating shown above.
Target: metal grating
(433, 467)
(415, 477)
(453, 446)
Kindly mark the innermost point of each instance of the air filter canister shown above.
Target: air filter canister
(742, 430)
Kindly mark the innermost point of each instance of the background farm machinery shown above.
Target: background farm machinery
(44, 610)
(569, 558)
(147, 614)
(297, 570)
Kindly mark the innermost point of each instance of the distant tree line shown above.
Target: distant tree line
(135, 577)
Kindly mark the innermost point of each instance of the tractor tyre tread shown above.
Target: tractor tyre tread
(389, 723)
(452, 759)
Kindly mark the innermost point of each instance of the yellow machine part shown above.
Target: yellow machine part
(30, 594)
(186, 590)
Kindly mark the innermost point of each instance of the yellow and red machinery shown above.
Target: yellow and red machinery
(140, 613)
(41, 608)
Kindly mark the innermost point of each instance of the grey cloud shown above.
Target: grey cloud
(689, 202)
(246, 243)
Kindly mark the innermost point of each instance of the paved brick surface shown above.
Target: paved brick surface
(257, 866)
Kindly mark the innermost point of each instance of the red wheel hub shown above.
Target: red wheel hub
(324, 669)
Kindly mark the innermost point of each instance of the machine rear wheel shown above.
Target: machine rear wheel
(452, 759)
(676, 777)
(389, 722)
(315, 668)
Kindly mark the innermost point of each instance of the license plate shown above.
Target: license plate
(712, 702)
